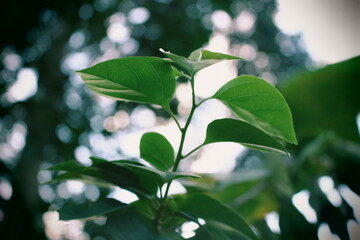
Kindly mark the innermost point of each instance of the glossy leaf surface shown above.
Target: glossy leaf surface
(207, 208)
(260, 104)
(232, 130)
(90, 209)
(139, 79)
(156, 150)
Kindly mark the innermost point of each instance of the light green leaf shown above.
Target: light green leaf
(232, 130)
(198, 59)
(90, 209)
(260, 104)
(203, 58)
(169, 176)
(207, 208)
(178, 73)
(179, 60)
(156, 150)
(139, 79)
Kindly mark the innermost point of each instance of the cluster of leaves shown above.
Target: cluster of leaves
(263, 122)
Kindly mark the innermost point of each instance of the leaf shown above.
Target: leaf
(218, 231)
(326, 100)
(232, 130)
(82, 178)
(156, 150)
(130, 175)
(179, 60)
(75, 171)
(198, 59)
(90, 209)
(207, 208)
(128, 224)
(178, 73)
(139, 79)
(169, 176)
(203, 58)
(107, 172)
(260, 104)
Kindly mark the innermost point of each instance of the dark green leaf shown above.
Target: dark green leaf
(75, 171)
(106, 172)
(232, 130)
(207, 208)
(260, 104)
(82, 178)
(132, 176)
(129, 224)
(326, 100)
(90, 209)
(156, 150)
(218, 231)
(73, 166)
(138, 79)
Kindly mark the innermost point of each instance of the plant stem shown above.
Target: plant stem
(173, 117)
(179, 155)
(202, 101)
(192, 151)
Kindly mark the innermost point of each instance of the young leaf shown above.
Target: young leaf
(156, 150)
(90, 209)
(207, 208)
(178, 73)
(198, 59)
(139, 79)
(179, 60)
(203, 58)
(260, 104)
(232, 130)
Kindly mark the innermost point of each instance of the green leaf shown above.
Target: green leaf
(82, 178)
(183, 62)
(232, 130)
(130, 175)
(107, 172)
(218, 231)
(156, 150)
(260, 104)
(178, 73)
(139, 79)
(90, 209)
(207, 208)
(198, 59)
(129, 224)
(203, 58)
(169, 176)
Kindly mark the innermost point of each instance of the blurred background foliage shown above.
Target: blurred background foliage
(48, 116)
